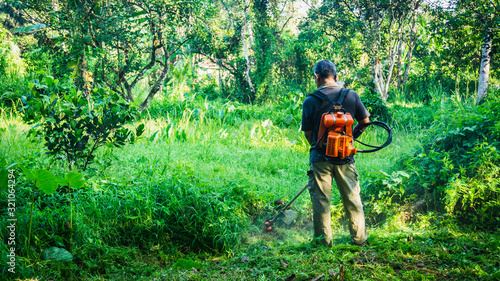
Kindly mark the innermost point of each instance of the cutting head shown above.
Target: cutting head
(289, 216)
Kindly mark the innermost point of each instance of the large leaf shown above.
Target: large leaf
(28, 173)
(73, 180)
(46, 181)
(43, 179)
(29, 29)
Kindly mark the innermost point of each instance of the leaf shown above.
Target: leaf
(49, 80)
(73, 180)
(186, 264)
(29, 29)
(56, 254)
(45, 181)
(28, 173)
(138, 13)
(139, 130)
(152, 137)
(72, 64)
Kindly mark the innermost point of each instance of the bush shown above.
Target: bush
(457, 168)
(74, 126)
(375, 105)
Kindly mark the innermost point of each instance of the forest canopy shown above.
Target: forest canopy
(260, 48)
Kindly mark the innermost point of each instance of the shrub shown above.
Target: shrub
(74, 126)
(457, 168)
(375, 105)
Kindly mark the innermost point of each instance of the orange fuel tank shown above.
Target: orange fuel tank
(338, 141)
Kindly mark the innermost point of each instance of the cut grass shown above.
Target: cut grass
(436, 253)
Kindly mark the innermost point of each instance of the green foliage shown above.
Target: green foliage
(74, 126)
(73, 180)
(119, 44)
(457, 168)
(30, 28)
(265, 45)
(186, 264)
(202, 181)
(384, 194)
(216, 154)
(10, 56)
(375, 105)
(13, 68)
(43, 179)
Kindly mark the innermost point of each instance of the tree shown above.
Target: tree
(271, 19)
(243, 38)
(222, 41)
(382, 27)
(119, 43)
(471, 27)
(486, 13)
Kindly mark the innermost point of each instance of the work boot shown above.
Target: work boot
(321, 241)
(365, 243)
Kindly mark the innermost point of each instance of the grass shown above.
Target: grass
(199, 187)
(394, 254)
(439, 252)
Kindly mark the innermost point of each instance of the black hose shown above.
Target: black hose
(376, 148)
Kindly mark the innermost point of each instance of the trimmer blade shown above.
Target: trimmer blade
(289, 216)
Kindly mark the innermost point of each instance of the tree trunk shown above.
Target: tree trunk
(157, 85)
(245, 49)
(400, 47)
(389, 75)
(378, 79)
(407, 66)
(484, 70)
(411, 44)
(85, 76)
(382, 83)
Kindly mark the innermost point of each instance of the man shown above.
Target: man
(324, 169)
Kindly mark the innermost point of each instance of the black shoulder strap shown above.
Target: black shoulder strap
(343, 92)
(321, 96)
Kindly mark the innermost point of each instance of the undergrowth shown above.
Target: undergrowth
(199, 186)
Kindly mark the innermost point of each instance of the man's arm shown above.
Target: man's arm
(309, 136)
(360, 127)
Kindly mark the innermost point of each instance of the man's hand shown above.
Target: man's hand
(360, 127)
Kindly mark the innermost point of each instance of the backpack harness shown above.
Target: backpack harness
(335, 135)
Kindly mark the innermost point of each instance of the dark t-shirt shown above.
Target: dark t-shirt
(352, 104)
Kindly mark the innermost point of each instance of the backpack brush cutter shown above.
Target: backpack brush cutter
(335, 132)
(288, 215)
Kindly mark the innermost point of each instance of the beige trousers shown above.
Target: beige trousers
(321, 175)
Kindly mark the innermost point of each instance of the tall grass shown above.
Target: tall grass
(204, 172)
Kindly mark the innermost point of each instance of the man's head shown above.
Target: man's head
(325, 71)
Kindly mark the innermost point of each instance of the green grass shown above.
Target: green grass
(437, 252)
(199, 187)
(394, 254)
